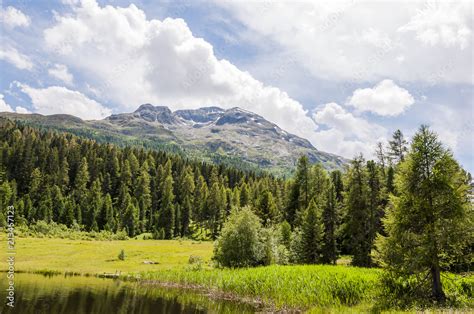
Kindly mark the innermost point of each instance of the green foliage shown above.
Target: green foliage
(359, 222)
(284, 286)
(63, 178)
(330, 222)
(311, 235)
(430, 222)
(121, 255)
(285, 234)
(267, 209)
(239, 244)
(43, 229)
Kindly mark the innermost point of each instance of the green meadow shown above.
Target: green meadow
(97, 257)
(317, 288)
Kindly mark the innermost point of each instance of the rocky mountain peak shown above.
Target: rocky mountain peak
(151, 113)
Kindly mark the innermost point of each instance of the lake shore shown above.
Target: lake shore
(290, 288)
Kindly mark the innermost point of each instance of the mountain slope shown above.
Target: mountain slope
(234, 136)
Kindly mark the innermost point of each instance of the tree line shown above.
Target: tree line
(60, 177)
(410, 204)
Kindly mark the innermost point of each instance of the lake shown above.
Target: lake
(74, 294)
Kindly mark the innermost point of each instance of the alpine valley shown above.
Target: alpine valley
(234, 136)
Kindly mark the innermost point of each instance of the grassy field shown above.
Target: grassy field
(96, 257)
(323, 288)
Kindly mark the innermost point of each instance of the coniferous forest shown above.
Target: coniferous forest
(400, 208)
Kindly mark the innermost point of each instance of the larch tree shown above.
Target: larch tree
(397, 147)
(430, 221)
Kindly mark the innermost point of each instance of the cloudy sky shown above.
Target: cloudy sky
(343, 74)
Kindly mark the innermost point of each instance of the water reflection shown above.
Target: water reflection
(59, 294)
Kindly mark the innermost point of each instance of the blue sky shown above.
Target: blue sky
(343, 74)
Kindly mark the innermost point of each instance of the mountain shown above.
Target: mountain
(233, 136)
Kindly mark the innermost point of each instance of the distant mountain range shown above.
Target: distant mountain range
(233, 136)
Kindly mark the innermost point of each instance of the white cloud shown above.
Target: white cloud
(357, 41)
(20, 109)
(130, 60)
(346, 134)
(385, 99)
(13, 56)
(61, 72)
(12, 17)
(4, 107)
(442, 23)
(57, 99)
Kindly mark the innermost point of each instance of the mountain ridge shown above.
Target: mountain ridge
(231, 136)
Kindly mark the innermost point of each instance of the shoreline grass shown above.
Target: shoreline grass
(298, 286)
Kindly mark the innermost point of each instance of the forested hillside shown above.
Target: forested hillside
(80, 183)
(63, 178)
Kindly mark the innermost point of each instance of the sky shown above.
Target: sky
(343, 74)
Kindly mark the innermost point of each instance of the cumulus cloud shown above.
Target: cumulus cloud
(57, 99)
(129, 60)
(12, 17)
(344, 133)
(385, 99)
(326, 39)
(14, 57)
(20, 109)
(61, 72)
(4, 107)
(443, 23)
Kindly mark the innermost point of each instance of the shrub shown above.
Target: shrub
(239, 244)
(121, 255)
(195, 262)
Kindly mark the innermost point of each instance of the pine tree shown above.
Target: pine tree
(216, 205)
(130, 216)
(311, 236)
(45, 206)
(430, 221)
(266, 209)
(143, 196)
(397, 147)
(80, 190)
(200, 200)
(166, 215)
(69, 212)
(329, 252)
(187, 194)
(58, 207)
(302, 181)
(95, 206)
(244, 195)
(358, 221)
(318, 181)
(375, 201)
(110, 222)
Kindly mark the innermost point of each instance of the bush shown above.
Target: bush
(239, 244)
(195, 262)
(42, 229)
(121, 255)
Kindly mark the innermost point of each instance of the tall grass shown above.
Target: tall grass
(283, 286)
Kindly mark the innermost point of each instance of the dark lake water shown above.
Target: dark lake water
(88, 295)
